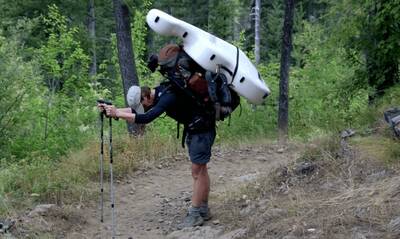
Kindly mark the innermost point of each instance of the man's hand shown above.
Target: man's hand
(111, 111)
(107, 109)
(101, 107)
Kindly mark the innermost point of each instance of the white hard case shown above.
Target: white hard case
(210, 51)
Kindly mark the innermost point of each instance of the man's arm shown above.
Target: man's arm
(127, 114)
(127, 110)
(165, 101)
(112, 111)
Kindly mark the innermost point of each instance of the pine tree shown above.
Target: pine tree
(283, 116)
(125, 52)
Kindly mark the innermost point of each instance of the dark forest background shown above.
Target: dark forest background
(58, 57)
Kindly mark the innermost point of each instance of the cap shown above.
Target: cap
(133, 99)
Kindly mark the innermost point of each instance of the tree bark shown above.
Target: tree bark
(92, 35)
(283, 115)
(125, 53)
(257, 11)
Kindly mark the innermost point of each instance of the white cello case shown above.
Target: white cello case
(210, 52)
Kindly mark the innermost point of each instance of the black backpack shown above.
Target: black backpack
(210, 91)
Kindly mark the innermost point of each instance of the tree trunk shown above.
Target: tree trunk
(125, 53)
(257, 11)
(283, 115)
(92, 35)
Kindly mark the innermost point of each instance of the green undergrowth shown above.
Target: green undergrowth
(71, 178)
(380, 147)
(68, 180)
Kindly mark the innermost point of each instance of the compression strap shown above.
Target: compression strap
(237, 64)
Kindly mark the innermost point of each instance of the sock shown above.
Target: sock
(194, 210)
(204, 207)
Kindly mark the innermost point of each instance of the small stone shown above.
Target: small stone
(160, 220)
(165, 200)
(131, 192)
(280, 150)
(159, 166)
(394, 225)
(42, 210)
(148, 229)
(311, 230)
(216, 222)
(244, 197)
(6, 225)
(263, 204)
(247, 178)
(304, 168)
(261, 158)
(358, 235)
(247, 210)
(376, 176)
(347, 133)
(238, 233)
(289, 237)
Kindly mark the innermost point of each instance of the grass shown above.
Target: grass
(45, 181)
(346, 195)
(65, 181)
(380, 147)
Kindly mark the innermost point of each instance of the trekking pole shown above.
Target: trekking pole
(111, 183)
(111, 169)
(101, 166)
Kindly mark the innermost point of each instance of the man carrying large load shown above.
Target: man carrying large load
(205, 77)
(190, 106)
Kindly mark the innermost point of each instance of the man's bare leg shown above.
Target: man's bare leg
(201, 187)
(201, 184)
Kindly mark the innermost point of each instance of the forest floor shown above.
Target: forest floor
(152, 202)
(325, 189)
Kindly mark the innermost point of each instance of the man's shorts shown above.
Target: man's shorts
(199, 146)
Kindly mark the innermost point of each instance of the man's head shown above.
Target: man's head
(146, 97)
(140, 98)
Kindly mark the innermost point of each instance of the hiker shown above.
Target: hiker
(199, 124)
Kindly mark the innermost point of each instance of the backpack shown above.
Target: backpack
(210, 91)
(392, 117)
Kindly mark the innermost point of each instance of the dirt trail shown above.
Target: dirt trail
(151, 202)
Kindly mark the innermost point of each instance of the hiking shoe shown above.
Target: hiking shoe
(205, 214)
(191, 220)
